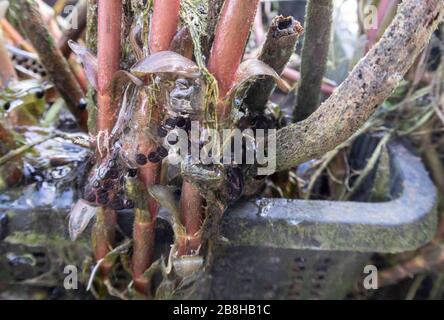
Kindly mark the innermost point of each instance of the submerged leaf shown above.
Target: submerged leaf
(79, 218)
(255, 68)
(166, 62)
(89, 61)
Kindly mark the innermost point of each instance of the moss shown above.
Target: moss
(31, 238)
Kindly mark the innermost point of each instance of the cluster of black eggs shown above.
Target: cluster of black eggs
(163, 132)
(108, 186)
(257, 121)
(235, 173)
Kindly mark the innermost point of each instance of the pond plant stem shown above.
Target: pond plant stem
(318, 21)
(51, 57)
(108, 57)
(164, 23)
(277, 50)
(233, 28)
(15, 37)
(191, 210)
(7, 71)
(232, 31)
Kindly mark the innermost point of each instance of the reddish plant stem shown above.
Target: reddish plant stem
(143, 248)
(236, 20)
(164, 23)
(294, 76)
(108, 56)
(190, 200)
(79, 73)
(231, 36)
(15, 36)
(7, 71)
(146, 212)
(192, 212)
(49, 19)
(103, 237)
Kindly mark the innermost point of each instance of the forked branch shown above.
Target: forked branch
(372, 80)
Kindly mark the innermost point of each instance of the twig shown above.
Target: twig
(415, 287)
(371, 163)
(258, 27)
(191, 215)
(433, 161)
(279, 45)
(430, 258)
(314, 56)
(23, 149)
(51, 57)
(369, 84)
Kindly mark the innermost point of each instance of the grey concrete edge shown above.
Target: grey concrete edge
(402, 224)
